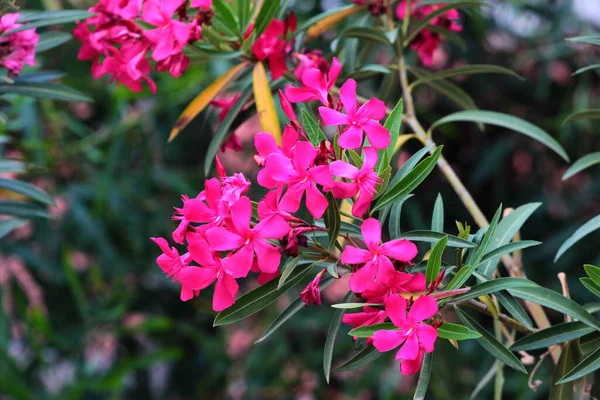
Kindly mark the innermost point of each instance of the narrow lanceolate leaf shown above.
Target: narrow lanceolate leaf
(550, 336)
(288, 270)
(593, 272)
(369, 330)
(26, 189)
(351, 306)
(424, 375)
(325, 21)
(507, 228)
(565, 363)
(393, 124)
(366, 33)
(314, 132)
(204, 98)
(9, 225)
(590, 364)
(434, 237)
(48, 19)
(265, 105)
(437, 219)
(411, 180)
(590, 285)
(11, 166)
(23, 209)
(508, 248)
(490, 343)
(509, 122)
(579, 234)
(50, 40)
(467, 70)
(334, 327)
(257, 299)
(589, 39)
(365, 357)
(435, 260)
(333, 221)
(44, 91)
(514, 308)
(583, 114)
(585, 69)
(581, 164)
(395, 214)
(410, 165)
(265, 15)
(456, 332)
(453, 92)
(556, 301)
(493, 286)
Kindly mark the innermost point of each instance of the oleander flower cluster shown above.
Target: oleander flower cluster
(227, 237)
(16, 49)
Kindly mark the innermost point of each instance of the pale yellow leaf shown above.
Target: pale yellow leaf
(265, 105)
(326, 23)
(491, 306)
(402, 139)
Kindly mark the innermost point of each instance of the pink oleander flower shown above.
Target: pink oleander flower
(126, 65)
(375, 256)
(364, 181)
(312, 293)
(233, 142)
(414, 335)
(266, 145)
(225, 105)
(272, 45)
(308, 60)
(391, 282)
(16, 49)
(317, 85)
(301, 176)
(270, 205)
(287, 107)
(127, 10)
(357, 119)
(212, 268)
(234, 187)
(206, 4)
(248, 241)
(170, 261)
(369, 316)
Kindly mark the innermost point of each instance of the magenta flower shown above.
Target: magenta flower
(364, 181)
(249, 241)
(391, 282)
(357, 119)
(269, 206)
(375, 256)
(317, 85)
(18, 48)
(301, 176)
(170, 261)
(225, 104)
(266, 145)
(126, 65)
(205, 4)
(312, 292)
(271, 46)
(311, 59)
(369, 316)
(415, 336)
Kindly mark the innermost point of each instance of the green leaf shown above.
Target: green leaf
(369, 71)
(556, 334)
(424, 376)
(506, 121)
(579, 234)
(39, 77)
(394, 220)
(490, 343)
(581, 164)
(565, 363)
(466, 70)
(50, 40)
(244, 12)
(257, 299)
(514, 308)
(434, 237)
(590, 364)
(224, 12)
(351, 306)
(265, 15)
(48, 18)
(508, 248)
(410, 181)
(593, 272)
(224, 128)
(590, 39)
(583, 114)
(365, 357)
(9, 225)
(334, 327)
(453, 92)
(590, 285)
(437, 219)
(44, 91)
(492, 286)
(435, 260)
(585, 69)
(410, 165)
(333, 220)
(314, 132)
(507, 229)
(23, 209)
(369, 330)
(287, 270)
(366, 33)
(393, 124)
(555, 301)
(26, 189)
(11, 166)
(456, 332)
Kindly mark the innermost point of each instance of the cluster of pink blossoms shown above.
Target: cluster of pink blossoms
(119, 43)
(16, 49)
(226, 239)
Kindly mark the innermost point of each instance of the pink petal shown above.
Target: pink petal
(238, 264)
(354, 255)
(374, 108)
(315, 201)
(395, 306)
(333, 118)
(351, 138)
(195, 210)
(186, 294)
(423, 308)
(344, 190)
(400, 249)
(410, 349)
(289, 139)
(304, 156)
(196, 278)
(427, 336)
(265, 144)
(163, 244)
(212, 192)
(200, 250)
(379, 137)
(221, 239)
(322, 175)
(348, 96)
(280, 167)
(361, 279)
(387, 340)
(265, 179)
(363, 202)
(267, 255)
(371, 231)
(273, 227)
(225, 291)
(300, 95)
(343, 169)
(291, 200)
(334, 72)
(413, 283)
(408, 367)
(370, 158)
(241, 215)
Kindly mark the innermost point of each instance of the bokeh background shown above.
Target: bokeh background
(87, 314)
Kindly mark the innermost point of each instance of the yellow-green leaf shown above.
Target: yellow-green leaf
(265, 105)
(204, 98)
(324, 24)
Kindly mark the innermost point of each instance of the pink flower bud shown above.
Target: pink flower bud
(312, 293)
